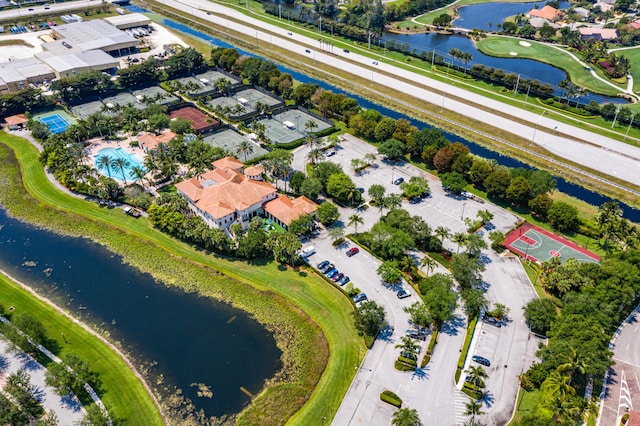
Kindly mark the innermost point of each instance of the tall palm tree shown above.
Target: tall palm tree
(139, 173)
(558, 385)
(245, 148)
(442, 232)
(310, 126)
(574, 362)
(408, 346)
(476, 374)
(355, 220)
(104, 163)
(459, 238)
(314, 156)
(428, 263)
(473, 408)
(121, 164)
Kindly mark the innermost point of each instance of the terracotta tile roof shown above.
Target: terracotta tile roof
(287, 210)
(253, 171)
(547, 12)
(14, 120)
(151, 141)
(228, 163)
(634, 418)
(599, 33)
(635, 24)
(221, 192)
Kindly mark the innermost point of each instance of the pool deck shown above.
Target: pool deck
(97, 144)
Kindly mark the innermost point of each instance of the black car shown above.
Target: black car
(323, 264)
(492, 321)
(326, 268)
(344, 280)
(403, 294)
(359, 298)
(345, 50)
(398, 181)
(481, 360)
(417, 335)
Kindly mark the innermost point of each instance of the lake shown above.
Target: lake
(190, 338)
(480, 16)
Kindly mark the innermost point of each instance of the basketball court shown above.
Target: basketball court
(537, 244)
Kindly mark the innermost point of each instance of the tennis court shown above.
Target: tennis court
(154, 95)
(57, 121)
(252, 96)
(84, 111)
(539, 245)
(122, 100)
(230, 140)
(300, 119)
(225, 102)
(277, 133)
(210, 78)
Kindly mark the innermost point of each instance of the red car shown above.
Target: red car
(352, 251)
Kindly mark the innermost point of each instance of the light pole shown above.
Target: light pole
(535, 129)
(629, 128)
(462, 215)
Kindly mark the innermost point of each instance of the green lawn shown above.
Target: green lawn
(634, 57)
(124, 395)
(269, 292)
(527, 402)
(501, 46)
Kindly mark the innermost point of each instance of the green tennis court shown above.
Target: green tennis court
(537, 244)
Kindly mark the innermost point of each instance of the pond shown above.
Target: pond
(572, 189)
(486, 16)
(190, 339)
(527, 68)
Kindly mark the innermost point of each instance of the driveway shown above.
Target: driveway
(621, 391)
(68, 409)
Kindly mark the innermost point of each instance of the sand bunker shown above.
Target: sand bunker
(525, 43)
(513, 53)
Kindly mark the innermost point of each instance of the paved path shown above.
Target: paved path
(621, 391)
(68, 409)
(573, 143)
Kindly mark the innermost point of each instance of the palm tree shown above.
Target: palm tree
(245, 148)
(310, 126)
(139, 173)
(408, 346)
(370, 158)
(355, 220)
(393, 201)
(314, 156)
(459, 238)
(558, 385)
(428, 263)
(473, 408)
(104, 163)
(574, 362)
(476, 374)
(442, 232)
(121, 164)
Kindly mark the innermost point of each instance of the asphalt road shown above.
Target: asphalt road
(24, 12)
(622, 387)
(431, 391)
(580, 146)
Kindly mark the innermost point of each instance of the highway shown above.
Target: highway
(34, 10)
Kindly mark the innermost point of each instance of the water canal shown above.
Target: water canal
(572, 189)
(189, 339)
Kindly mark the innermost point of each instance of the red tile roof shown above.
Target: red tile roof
(151, 141)
(547, 12)
(287, 210)
(14, 120)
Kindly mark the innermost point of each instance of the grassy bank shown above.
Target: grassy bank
(297, 306)
(124, 395)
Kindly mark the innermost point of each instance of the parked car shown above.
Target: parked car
(345, 50)
(418, 335)
(398, 181)
(323, 264)
(352, 251)
(403, 294)
(132, 212)
(307, 51)
(326, 268)
(330, 153)
(337, 277)
(344, 280)
(333, 273)
(359, 297)
(492, 321)
(375, 62)
(481, 360)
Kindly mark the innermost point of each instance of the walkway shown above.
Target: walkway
(67, 408)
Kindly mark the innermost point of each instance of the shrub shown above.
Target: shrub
(391, 398)
(471, 390)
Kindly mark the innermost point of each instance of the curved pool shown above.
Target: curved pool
(131, 161)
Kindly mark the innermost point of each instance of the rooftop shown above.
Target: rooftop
(547, 12)
(150, 141)
(95, 34)
(287, 210)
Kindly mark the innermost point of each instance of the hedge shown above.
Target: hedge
(391, 398)
(465, 348)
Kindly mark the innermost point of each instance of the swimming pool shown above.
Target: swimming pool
(131, 161)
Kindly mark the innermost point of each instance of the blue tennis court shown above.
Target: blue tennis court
(56, 123)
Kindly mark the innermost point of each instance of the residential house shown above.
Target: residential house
(549, 13)
(150, 141)
(283, 210)
(599, 33)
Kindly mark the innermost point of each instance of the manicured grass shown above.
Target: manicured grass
(501, 47)
(633, 54)
(124, 395)
(279, 298)
(527, 403)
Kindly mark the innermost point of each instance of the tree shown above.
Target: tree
(327, 213)
(121, 164)
(409, 347)
(540, 205)
(158, 122)
(245, 148)
(104, 163)
(406, 417)
(303, 225)
(442, 232)
(39, 130)
(181, 126)
(419, 314)
(428, 263)
(497, 183)
(540, 314)
(369, 318)
(355, 220)
(519, 190)
(416, 187)
(474, 302)
(393, 149)
(497, 240)
(389, 272)
(442, 20)
(336, 233)
(473, 408)
(438, 298)
(393, 201)
(558, 385)
(384, 129)
(376, 192)
(476, 374)
(467, 270)
(453, 182)
(460, 238)
(285, 246)
(311, 188)
(563, 216)
(547, 31)
(341, 187)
